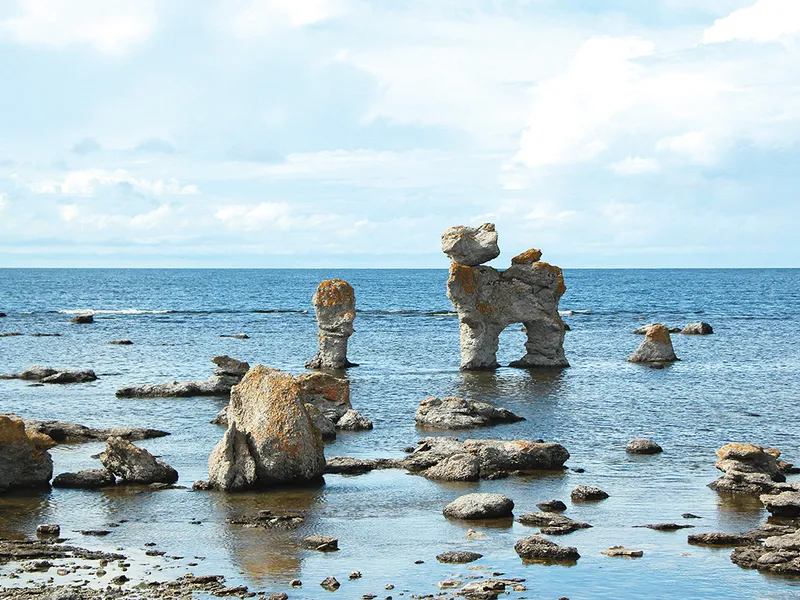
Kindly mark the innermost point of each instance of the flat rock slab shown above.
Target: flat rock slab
(722, 539)
(322, 543)
(623, 551)
(458, 557)
(667, 526)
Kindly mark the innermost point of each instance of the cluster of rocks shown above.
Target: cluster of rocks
(227, 373)
(488, 300)
(42, 374)
(459, 413)
(335, 309)
(750, 469)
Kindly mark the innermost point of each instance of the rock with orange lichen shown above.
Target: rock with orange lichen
(24, 459)
(749, 469)
(331, 395)
(335, 307)
(471, 246)
(271, 439)
(488, 301)
(656, 346)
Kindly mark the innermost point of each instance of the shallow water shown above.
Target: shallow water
(739, 384)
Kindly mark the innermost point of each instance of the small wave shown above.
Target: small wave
(121, 311)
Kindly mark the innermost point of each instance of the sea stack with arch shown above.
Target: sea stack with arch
(488, 300)
(335, 308)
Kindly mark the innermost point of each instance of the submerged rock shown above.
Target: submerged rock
(24, 459)
(643, 446)
(270, 438)
(335, 308)
(459, 413)
(227, 373)
(488, 301)
(701, 328)
(236, 336)
(87, 479)
(135, 465)
(656, 347)
(479, 506)
(535, 548)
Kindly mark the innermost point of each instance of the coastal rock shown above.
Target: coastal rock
(489, 589)
(459, 467)
(135, 465)
(488, 301)
(623, 551)
(82, 319)
(776, 554)
(459, 413)
(643, 446)
(225, 365)
(587, 493)
(326, 427)
(520, 455)
(458, 557)
(345, 465)
(552, 524)
(722, 539)
(471, 246)
(11, 334)
(63, 432)
(227, 373)
(35, 373)
(321, 543)
(269, 423)
(235, 336)
(330, 584)
(479, 506)
(47, 529)
(353, 420)
(785, 504)
(87, 479)
(748, 469)
(701, 328)
(331, 395)
(23, 462)
(121, 343)
(335, 308)
(535, 548)
(656, 347)
(221, 418)
(552, 506)
(50, 375)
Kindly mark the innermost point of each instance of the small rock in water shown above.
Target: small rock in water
(353, 420)
(236, 336)
(785, 504)
(623, 551)
(475, 535)
(479, 506)
(48, 529)
(535, 548)
(83, 319)
(552, 506)
(690, 516)
(656, 348)
(321, 543)
(121, 342)
(668, 526)
(701, 328)
(643, 446)
(722, 539)
(296, 583)
(458, 557)
(587, 493)
(330, 583)
(449, 584)
(355, 575)
(278, 596)
(94, 532)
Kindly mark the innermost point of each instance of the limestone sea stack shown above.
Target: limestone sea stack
(270, 439)
(24, 459)
(488, 301)
(335, 308)
(656, 347)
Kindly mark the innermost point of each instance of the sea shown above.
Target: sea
(739, 384)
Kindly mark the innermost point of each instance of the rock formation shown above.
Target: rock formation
(479, 506)
(83, 319)
(488, 300)
(749, 469)
(49, 375)
(701, 328)
(458, 413)
(24, 459)
(784, 504)
(335, 307)
(643, 446)
(534, 548)
(656, 347)
(270, 437)
(227, 373)
(135, 465)
(62, 432)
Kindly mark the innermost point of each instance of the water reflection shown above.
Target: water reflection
(21, 511)
(526, 383)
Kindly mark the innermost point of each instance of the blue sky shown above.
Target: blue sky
(308, 133)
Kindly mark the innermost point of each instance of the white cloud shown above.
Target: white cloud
(764, 21)
(89, 182)
(634, 165)
(269, 215)
(155, 218)
(68, 212)
(257, 18)
(698, 147)
(109, 26)
(3, 202)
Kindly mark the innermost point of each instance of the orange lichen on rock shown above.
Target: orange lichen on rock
(467, 278)
(556, 271)
(529, 256)
(658, 333)
(737, 450)
(12, 431)
(334, 291)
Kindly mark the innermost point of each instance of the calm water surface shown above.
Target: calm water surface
(740, 384)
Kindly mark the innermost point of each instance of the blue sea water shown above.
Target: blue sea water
(739, 384)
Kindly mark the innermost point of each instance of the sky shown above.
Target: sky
(352, 133)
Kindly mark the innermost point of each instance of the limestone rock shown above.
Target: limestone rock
(623, 551)
(335, 308)
(321, 543)
(459, 467)
(221, 418)
(471, 246)
(87, 479)
(551, 523)
(353, 420)
(701, 328)
(777, 554)
(656, 347)
(49, 375)
(135, 465)
(497, 455)
(23, 462)
(643, 446)
(270, 426)
(722, 539)
(458, 557)
(459, 413)
(63, 432)
(121, 342)
(331, 395)
(326, 427)
(488, 301)
(227, 373)
(785, 504)
(748, 469)
(83, 319)
(535, 548)
(225, 365)
(586, 493)
(479, 506)
(552, 506)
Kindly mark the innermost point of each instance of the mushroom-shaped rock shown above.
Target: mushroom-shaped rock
(479, 506)
(471, 246)
(643, 446)
(785, 504)
(701, 328)
(24, 459)
(459, 467)
(535, 548)
(135, 465)
(587, 493)
(656, 347)
(459, 413)
(271, 438)
(335, 308)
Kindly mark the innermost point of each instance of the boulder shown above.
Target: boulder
(24, 460)
(71, 377)
(458, 557)
(586, 493)
(345, 465)
(776, 554)
(488, 301)
(551, 523)
(321, 543)
(749, 469)
(335, 308)
(331, 395)
(48, 529)
(82, 319)
(353, 420)
(785, 504)
(656, 347)
(520, 455)
(88, 479)
(458, 467)
(479, 506)
(135, 465)
(552, 506)
(227, 373)
(225, 365)
(36, 373)
(271, 438)
(459, 413)
(701, 328)
(537, 549)
(643, 446)
(471, 246)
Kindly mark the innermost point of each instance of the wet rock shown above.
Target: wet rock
(668, 526)
(535, 548)
(135, 465)
(785, 504)
(87, 479)
(489, 589)
(701, 328)
(278, 596)
(488, 301)
(623, 551)
(11, 334)
(656, 347)
(552, 524)
(221, 418)
(71, 377)
(24, 459)
(330, 584)
(690, 516)
(722, 539)
(458, 557)
(326, 427)
(748, 469)
(459, 467)
(355, 575)
(48, 530)
(459, 413)
(353, 420)
(270, 438)
(345, 465)
(121, 343)
(225, 365)
(471, 246)
(776, 554)
(335, 308)
(643, 446)
(64, 432)
(520, 455)
(552, 506)
(479, 506)
(236, 336)
(322, 543)
(82, 319)
(227, 373)
(35, 373)
(95, 532)
(587, 493)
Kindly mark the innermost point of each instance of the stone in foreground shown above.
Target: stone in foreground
(656, 347)
(471, 246)
(135, 465)
(537, 549)
(335, 308)
(643, 446)
(321, 543)
(459, 413)
(24, 459)
(479, 506)
(785, 504)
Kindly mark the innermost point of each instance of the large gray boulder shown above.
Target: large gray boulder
(479, 506)
(471, 246)
(135, 465)
(271, 439)
(656, 347)
(24, 459)
(459, 413)
(335, 308)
